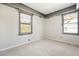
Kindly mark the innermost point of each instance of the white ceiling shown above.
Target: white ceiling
(47, 8)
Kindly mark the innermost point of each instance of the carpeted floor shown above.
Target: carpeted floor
(43, 48)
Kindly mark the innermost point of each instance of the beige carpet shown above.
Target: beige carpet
(43, 48)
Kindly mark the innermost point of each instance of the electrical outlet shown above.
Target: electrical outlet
(28, 39)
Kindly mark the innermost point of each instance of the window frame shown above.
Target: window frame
(20, 33)
(77, 22)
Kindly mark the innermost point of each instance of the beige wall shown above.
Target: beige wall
(9, 26)
(53, 30)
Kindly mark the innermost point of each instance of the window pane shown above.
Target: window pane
(71, 23)
(25, 18)
(71, 18)
(25, 28)
(71, 28)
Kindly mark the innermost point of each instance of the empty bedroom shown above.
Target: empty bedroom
(39, 29)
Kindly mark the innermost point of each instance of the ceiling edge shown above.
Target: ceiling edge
(73, 7)
(25, 8)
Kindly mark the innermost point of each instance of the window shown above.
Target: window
(70, 23)
(25, 24)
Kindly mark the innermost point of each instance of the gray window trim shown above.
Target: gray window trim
(25, 23)
(63, 23)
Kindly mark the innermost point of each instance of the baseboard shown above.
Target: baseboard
(4, 49)
(11, 47)
(66, 42)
